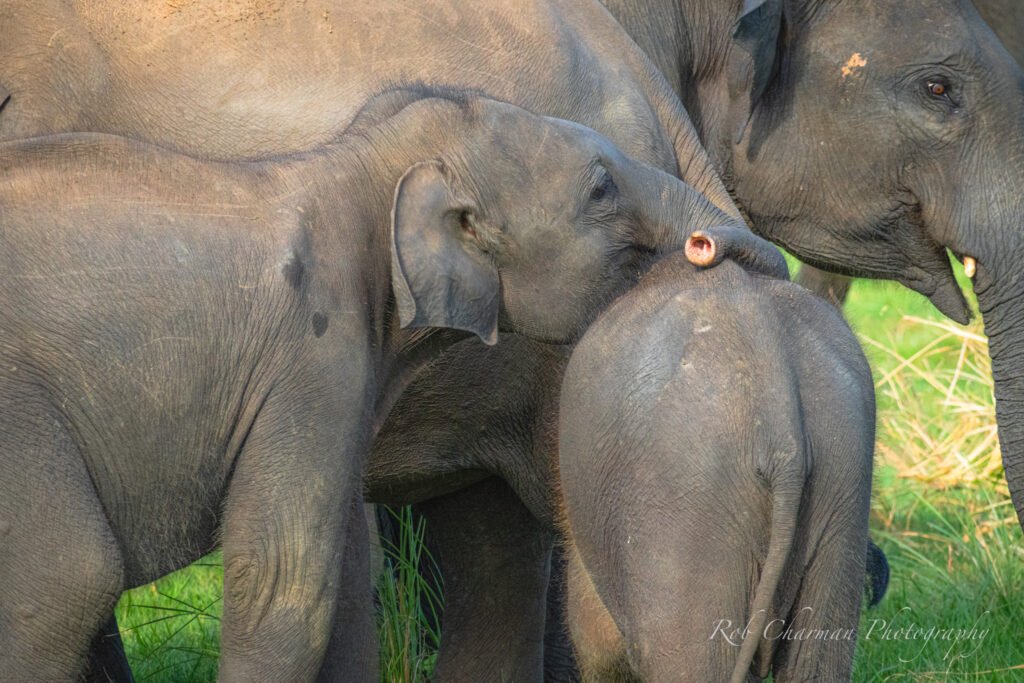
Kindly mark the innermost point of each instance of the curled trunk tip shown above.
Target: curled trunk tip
(709, 247)
(701, 250)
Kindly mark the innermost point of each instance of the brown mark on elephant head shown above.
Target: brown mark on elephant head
(853, 64)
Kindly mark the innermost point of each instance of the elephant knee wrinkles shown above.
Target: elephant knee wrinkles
(249, 586)
(262, 590)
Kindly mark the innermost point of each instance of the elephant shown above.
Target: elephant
(761, 97)
(222, 81)
(194, 352)
(493, 519)
(183, 75)
(1006, 18)
(904, 174)
(227, 81)
(863, 138)
(716, 436)
(873, 169)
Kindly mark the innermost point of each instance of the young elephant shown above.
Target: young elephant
(716, 438)
(195, 351)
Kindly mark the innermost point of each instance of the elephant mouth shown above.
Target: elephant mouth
(941, 288)
(634, 260)
(930, 272)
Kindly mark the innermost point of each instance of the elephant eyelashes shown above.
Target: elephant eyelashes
(603, 189)
(466, 223)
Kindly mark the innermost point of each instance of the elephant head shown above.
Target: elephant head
(524, 206)
(869, 138)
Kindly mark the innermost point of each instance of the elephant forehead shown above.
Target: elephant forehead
(885, 30)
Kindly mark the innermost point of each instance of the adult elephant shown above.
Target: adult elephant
(865, 138)
(859, 150)
(231, 80)
(1006, 17)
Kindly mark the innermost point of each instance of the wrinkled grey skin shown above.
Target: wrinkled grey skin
(696, 508)
(859, 168)
(219, 80)
(196, 352)
(222, 80)
(486, 480)
(1006, 18)
(864, 171)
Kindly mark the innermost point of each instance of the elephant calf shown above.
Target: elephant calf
(716, 441)
(193, 351)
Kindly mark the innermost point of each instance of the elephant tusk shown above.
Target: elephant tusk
(970, 266)
(701, 249)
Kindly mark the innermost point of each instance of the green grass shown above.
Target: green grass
(940, 511)
(940, 507)
(408, 606)
(171, 628)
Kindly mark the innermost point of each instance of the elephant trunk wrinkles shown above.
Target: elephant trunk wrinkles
(708, 248)
(680, 218)
(671, 217)
(1003, 313)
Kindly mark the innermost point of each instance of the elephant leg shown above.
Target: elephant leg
(829, 601)
(107, 660)
(353, 648)
(493, 556)
(877, 579)
(286, 530)
(829, 286)
(598, 647)
(829, 596)
(61, 570)
(559, 659)
(666, 597)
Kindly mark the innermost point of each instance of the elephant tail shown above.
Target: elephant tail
(787, 490)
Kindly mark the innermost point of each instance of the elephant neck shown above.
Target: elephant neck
(408, 351)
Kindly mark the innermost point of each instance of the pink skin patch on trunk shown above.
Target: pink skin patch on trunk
(700, 249)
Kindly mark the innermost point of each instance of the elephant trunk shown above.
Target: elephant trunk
(708, 248)
(1002, 306)
(669, 211)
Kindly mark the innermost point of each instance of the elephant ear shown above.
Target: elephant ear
(752, 64)
(439, 274)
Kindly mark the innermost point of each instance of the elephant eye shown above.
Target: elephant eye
(466, 223)
(939, 88)
(605, 188)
